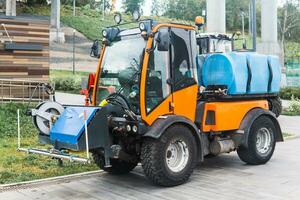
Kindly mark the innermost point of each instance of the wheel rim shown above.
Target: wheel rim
(177, 156)
(263, 140)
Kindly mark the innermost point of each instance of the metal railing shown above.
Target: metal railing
(292, 65)
(21, 91)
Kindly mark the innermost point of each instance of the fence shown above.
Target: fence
(21, 91)
(293, 71)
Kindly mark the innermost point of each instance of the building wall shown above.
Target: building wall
(31, 62)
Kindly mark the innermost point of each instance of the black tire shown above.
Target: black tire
(275, 106)
(210, 156)
(154, 154)
(117, 166)
(251, 154)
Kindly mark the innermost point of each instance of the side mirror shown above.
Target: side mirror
(163, 40)
(95, 50)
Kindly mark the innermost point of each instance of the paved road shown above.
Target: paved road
(69, 99)
(223, 177)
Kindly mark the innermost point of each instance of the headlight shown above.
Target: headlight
(118, 18)
(104, 33)
(128, 128)
(136, 15)
(142, 26)
(134, 128)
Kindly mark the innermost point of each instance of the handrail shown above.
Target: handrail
(3, 25)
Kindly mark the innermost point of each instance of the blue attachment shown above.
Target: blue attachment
(70, 125)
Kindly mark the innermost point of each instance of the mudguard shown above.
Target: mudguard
(157, 129)
(250, 117)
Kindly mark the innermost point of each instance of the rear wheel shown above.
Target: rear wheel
(117, 166)
(275, 106)
(170, 160)
(261, 142)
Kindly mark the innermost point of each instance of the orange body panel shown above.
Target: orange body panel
(228, 115)
(184, 102)
(162, 109)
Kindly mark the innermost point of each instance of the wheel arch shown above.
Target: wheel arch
(250, 117)
(157, 129)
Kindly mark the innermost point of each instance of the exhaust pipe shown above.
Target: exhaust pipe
(221, 146)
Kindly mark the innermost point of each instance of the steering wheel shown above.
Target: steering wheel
(119, 99)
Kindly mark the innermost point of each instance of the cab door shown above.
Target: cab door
(168, 84)
(183, 72)
(156, 96)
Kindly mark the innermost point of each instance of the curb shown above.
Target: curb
(39, 182)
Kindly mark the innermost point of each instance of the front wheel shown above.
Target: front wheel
(261, 142)
(170, 160)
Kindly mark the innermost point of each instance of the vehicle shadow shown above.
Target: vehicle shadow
(137, 180)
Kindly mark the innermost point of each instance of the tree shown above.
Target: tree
(234, 9)
(289, 21)
(131, 5)
(36, 2)
(156, 8)
(184, 9)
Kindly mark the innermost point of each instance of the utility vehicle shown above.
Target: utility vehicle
(157, 101)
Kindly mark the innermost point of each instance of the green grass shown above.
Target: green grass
(17, 166)
(287, 135)
(66, 73)
(290, 113)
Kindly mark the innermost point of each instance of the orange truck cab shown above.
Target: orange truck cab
(159, 102)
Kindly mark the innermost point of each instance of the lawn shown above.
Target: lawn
(17, 166)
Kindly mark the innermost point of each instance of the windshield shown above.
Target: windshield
(120, 68)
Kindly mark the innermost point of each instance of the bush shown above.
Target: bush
(67, 84)
(289, 92)
(294, 105)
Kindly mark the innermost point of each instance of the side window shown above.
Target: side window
(158, 73)
(182, 64)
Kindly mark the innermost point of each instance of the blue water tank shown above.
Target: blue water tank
(241, 72)
(228, 70)
(276, 72)
(259, 73)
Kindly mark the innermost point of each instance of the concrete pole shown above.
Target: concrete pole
(10, 8)
(56, 34)
(269, 42)
(216, 16)
(269, 21)
(55, 14)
